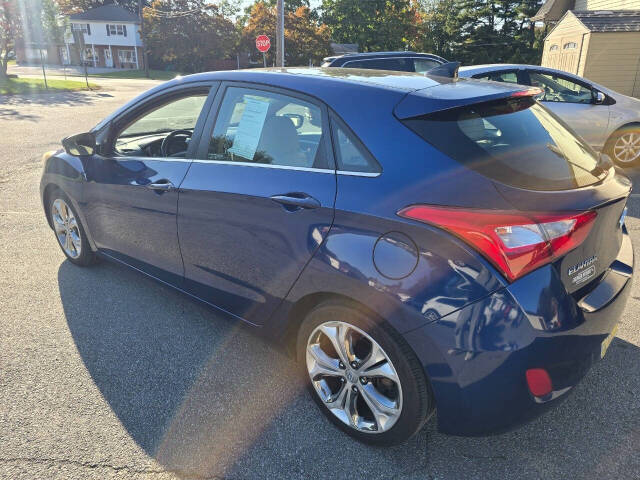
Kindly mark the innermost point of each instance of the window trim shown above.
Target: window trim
(214, 111)
(124, 119)
(336, 121)
(570, 46)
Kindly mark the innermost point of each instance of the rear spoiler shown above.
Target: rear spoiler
(455, 93)
(449, 70)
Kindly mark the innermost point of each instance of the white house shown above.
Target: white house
(111, 37)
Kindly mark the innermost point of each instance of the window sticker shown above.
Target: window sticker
(250, 127)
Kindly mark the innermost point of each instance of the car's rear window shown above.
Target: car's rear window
(514, 141)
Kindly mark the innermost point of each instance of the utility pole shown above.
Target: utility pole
(144, 45)
(280, 34)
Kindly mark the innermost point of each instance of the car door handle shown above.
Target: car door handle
(162, 185)
(296, 201)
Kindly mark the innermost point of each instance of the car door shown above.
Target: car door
(252, 214)
(132, 187)
(574, 102)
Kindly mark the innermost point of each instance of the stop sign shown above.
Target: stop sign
(263, 43)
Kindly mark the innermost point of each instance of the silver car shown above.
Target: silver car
(607, 120)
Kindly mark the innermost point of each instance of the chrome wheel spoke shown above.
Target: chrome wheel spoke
(627, 147)
(382, 408)
(343, 406)
(384, 370)
(66, 228)
(364, 393)
(337, 335)
(323, 364)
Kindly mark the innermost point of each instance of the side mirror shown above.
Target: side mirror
(80, 144)
(599, 98)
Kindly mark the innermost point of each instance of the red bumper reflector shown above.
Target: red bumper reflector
(539, 382)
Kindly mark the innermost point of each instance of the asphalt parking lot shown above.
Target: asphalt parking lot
(107, 374)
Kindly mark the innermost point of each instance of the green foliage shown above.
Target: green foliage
(305, 39)
(375, 25)
(187, 35)
(10, 28)
(482, 31)
(68, 7)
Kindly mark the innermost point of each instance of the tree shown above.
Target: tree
(374, 25)
(305, 39)
(187, 35)
(53, 31)
(68, 7)
(10, 28)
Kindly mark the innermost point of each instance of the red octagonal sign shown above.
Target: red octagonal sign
(263, 43)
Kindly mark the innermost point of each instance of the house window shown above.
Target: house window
(553, 48)
(115, 29)
(569, 45)
(83, 27)
(127, 56)
(89, 55)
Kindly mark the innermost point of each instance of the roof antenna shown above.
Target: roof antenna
(449, 70)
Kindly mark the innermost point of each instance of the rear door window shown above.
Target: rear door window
(515, 141)
(260, 126)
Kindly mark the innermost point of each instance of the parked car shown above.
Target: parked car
(377, 225)
(398, 61)
(607, 120)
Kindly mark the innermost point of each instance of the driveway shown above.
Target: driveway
(107, 374)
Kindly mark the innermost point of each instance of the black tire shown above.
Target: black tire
(417, 400)
(611, 142)
(87, 256)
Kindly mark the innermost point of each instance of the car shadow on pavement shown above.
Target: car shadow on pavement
(205, 397)
(70, 99)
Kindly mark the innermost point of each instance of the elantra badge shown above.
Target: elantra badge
(583, 271)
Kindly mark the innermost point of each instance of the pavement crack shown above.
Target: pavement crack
(77, 463)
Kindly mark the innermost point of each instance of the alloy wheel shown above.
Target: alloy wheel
(66, 228)
(627, 147)
(354, 377)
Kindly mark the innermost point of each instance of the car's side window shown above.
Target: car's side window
(556, 88)
(170, 123)
(264, 127)
(398, 64)
(351, 155)
(423, 65)
(510, 76)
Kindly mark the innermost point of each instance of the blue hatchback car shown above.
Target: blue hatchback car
(420, 244)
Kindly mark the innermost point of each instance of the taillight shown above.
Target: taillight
(514, 242)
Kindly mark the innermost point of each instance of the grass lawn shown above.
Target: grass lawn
(36, 85)
(153, 74)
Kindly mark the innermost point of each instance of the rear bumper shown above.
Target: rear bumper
(476, 357)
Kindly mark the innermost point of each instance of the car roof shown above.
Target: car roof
(468, 71)
(313, 80)
(402, 53)
(347, 90)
